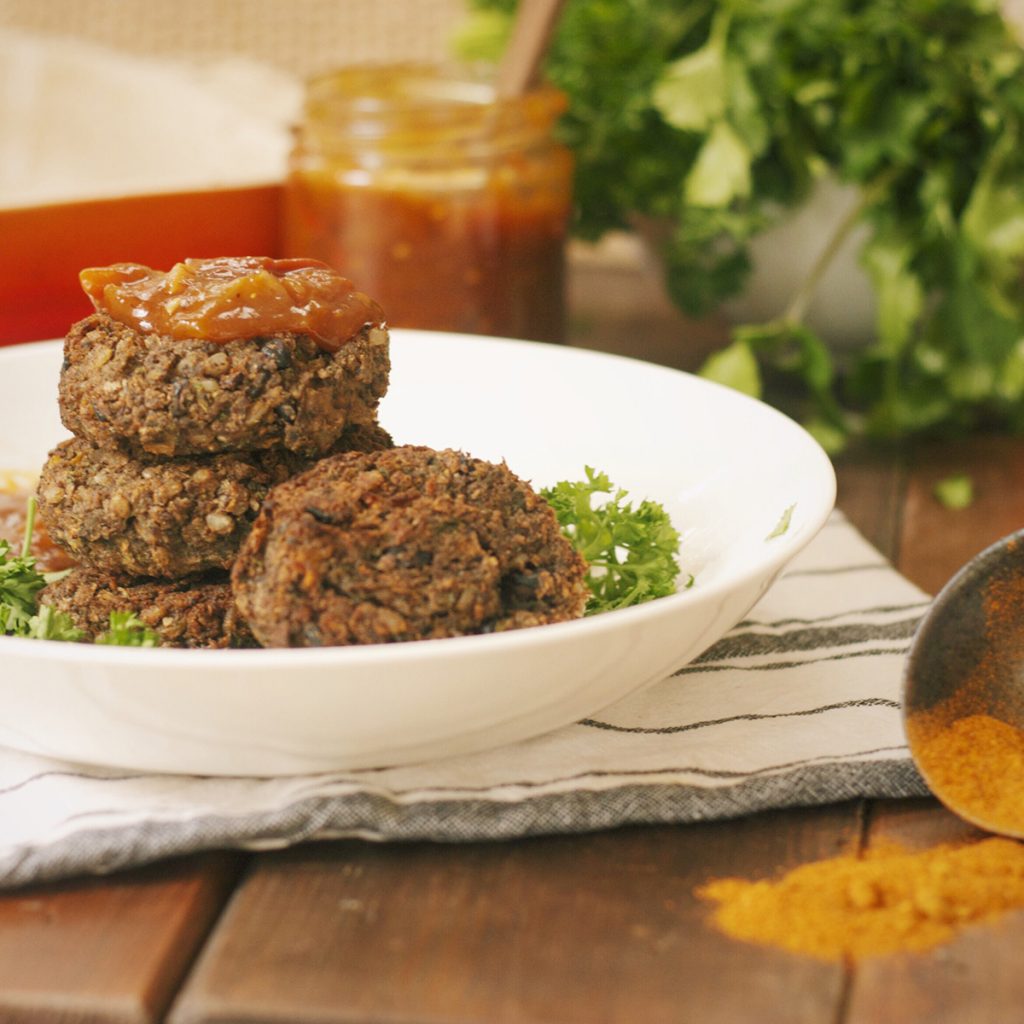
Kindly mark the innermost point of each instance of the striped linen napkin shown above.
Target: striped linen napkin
(798, 705)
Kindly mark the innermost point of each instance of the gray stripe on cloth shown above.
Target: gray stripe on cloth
(661, 730)
(701, 668)
(750, 645)
(849, 613)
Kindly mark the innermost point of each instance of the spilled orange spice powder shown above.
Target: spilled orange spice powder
(887, 901)
(893, 900)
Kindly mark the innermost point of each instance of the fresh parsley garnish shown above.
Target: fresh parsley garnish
(20, 583)
(22, 615)
(783, 524)
(49, 624)
(955, 492)
(128, 630)
(631, 551)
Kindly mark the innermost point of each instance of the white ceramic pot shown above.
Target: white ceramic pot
(843, 308)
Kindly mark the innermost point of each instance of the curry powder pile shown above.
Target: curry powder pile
(976, 765)
(887, 901)
(891, 899)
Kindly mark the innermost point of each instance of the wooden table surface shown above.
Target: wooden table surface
(555, 930)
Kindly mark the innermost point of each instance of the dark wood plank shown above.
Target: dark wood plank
(975, 978)
(936, 540)
(107, 951)
(601, 929)
(870, 490)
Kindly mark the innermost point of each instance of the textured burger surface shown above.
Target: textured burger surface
(147, 393)
(194, 612)
(144, 516)
(404, 544)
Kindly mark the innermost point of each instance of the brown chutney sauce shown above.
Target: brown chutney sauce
(446, 201)
(13, 515)
(234, 297)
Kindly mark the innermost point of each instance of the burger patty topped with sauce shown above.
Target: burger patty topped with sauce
(223, 355)
(191, 393)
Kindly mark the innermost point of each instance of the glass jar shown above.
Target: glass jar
(447, 205)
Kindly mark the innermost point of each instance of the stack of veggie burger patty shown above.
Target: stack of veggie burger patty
(238, 491)
(177, 443)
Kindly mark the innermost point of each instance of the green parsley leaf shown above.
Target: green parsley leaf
(721, 172)
(48, 624)
(631, 551)
(783, 524)
(736, 367)
(20, 582)
(955, 492)
(127, 630)
(691, 93)
(714, 119)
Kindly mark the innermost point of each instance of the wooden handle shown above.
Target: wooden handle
(531, 34)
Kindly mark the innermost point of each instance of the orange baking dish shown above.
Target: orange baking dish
(42, 248)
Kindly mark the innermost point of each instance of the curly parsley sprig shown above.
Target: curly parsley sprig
(20, 584)
(631, 551)
(22, 615)
(128, 630)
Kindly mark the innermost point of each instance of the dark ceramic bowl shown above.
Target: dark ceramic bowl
(959, 633)
(967, 658)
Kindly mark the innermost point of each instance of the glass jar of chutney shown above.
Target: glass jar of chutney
(445, 203)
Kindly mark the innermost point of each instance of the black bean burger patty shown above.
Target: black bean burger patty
(404, 544)
(164, 517)
(148, 393)
(195, 612)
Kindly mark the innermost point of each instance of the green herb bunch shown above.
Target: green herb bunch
(20, 583)
(631, 551)
(711, 118)
(22, 615)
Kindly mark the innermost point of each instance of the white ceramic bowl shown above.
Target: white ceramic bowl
(724, 466)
